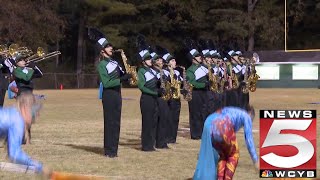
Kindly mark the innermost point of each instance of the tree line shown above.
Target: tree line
(61, 24)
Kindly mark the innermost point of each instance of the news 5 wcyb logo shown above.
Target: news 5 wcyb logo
(288, 143)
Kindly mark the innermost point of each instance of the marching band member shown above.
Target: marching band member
(25, 74)
(174, 104)
(148, 85)
(3, 81)
(197, 76)
(218, 71)
(209, 65)
(243, 97)
(232, 98)
(111, 75)
(221, 70)
(164, 118)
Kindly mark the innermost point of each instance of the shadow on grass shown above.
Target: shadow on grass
(131, 143)
(91, 149)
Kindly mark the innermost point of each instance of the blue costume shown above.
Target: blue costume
(11, 94)
(12, 127)
(100, 90)
(219, 152)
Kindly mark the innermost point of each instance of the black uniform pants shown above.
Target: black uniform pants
(175, 107)
(149, 112)
(232, 98)
(164, 122)
(112, 103)
(2, 95)
(243, 98)
(215, 101)
(211, 102)
(197, 112)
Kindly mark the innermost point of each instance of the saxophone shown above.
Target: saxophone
(224, 80)
(129, 69)
(253, 79)
(212, 78)
(175, 85)
(245, 88)
(234, 78)
(186, 86)
(221, 83)
(166, 86)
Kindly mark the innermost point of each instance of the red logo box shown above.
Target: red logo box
(288, 140)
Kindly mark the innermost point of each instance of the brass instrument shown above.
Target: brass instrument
(41, 55)
(175, 85)
(253, 79)
(129, 69)
(14, 50)
(166, 86)
(224, 80)
(234, 78)
(221, 83)
(3, 49)
(245, 88)
(212, 78)
(186, 85)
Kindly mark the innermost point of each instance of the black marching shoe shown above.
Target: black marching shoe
(148, 150)
(165, 146)
(196, 138)
(172, 141)
(111, 155)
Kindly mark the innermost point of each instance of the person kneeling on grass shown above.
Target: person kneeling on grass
(219, 150)
(12, 128)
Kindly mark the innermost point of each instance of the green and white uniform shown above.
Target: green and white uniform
(197, 75)
(24, 76)
(148, 85)
(110, 72)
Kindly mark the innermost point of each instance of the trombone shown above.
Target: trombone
(14, 50)
(41, 55)
(3, 49)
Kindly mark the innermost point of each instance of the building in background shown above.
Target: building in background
(280, 69)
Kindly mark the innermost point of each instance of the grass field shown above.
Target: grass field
(68, 136)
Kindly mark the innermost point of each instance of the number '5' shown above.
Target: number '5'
(274, 138)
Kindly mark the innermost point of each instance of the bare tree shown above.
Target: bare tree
(251, 6)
